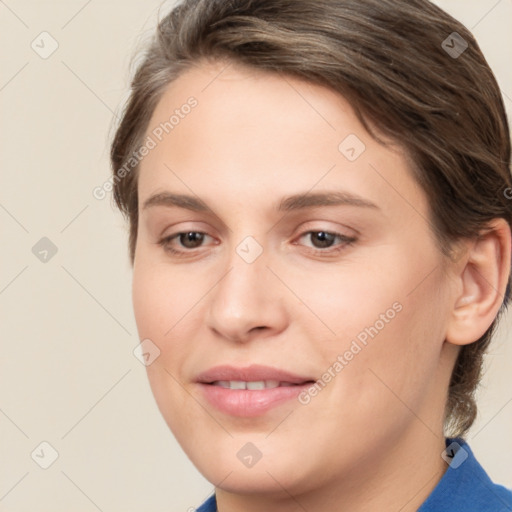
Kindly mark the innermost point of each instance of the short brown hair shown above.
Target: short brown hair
(391, 59)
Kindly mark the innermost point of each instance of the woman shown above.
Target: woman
(321, 247)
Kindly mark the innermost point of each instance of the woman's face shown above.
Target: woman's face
(305, 255)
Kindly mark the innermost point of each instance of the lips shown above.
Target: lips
(250, 391)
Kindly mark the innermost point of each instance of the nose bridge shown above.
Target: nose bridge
(241, 288)
(246, 296)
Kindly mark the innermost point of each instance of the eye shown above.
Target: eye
(188, 240)
(322, 240)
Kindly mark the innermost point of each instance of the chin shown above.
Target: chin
(252, 481)
(283, 469)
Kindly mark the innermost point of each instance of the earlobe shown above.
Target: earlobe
(482, 276)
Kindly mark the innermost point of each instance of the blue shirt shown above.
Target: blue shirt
(465, 486)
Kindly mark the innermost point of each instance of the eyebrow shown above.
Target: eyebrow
(287, 204)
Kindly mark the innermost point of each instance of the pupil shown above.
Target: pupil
(191, 239)
(324, 239)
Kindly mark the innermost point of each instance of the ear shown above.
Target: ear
(481, 278)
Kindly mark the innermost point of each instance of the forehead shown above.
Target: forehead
(257, 132)
(234, 97)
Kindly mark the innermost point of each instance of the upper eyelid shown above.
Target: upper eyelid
(303, 230)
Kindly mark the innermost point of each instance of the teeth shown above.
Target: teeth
(263, 384)
(241, 384)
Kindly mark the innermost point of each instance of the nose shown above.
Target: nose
(248, 301)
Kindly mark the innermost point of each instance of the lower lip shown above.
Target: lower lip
(250, 403)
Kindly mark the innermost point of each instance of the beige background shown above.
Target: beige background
(68, 375)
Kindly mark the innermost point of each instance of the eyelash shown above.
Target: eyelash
(328, 251)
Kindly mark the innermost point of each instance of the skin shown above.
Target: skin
(372, 438)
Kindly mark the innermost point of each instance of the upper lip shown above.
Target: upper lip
(252, 373)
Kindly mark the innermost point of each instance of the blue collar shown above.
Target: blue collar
(465, 486)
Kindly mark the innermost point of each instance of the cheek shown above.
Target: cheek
(149, 305)
(384, 327)
(169, 310)
(396, 371)
(341, 303)
(160, 307)
(161, 299)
